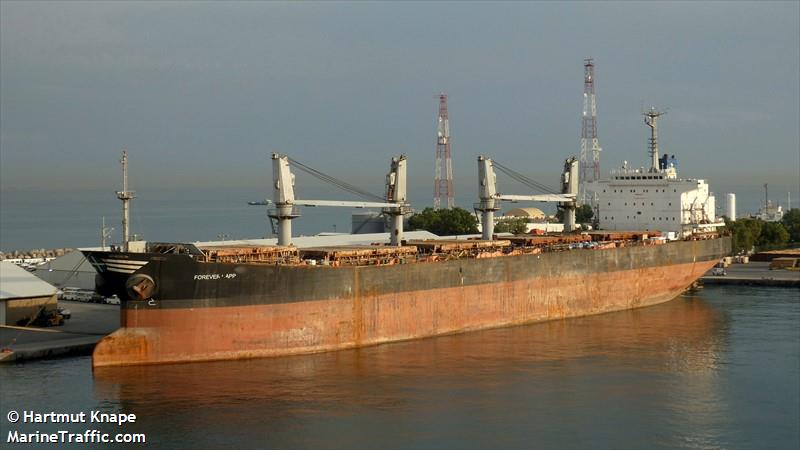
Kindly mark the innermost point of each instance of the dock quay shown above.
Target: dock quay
(754, 274)
(89, 323)
(773, 254)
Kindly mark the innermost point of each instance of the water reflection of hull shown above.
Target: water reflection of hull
(534, 385)
(214, 311)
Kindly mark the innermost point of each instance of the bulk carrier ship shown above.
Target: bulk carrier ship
(192, 302)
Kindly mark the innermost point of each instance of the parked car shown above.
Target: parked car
(68, 293)
(44, 318)
(718, 271)
(64, 312)
(113, 300)
(78, 295)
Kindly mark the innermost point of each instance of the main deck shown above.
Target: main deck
(412, 250)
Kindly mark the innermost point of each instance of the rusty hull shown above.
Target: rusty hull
(373, 305)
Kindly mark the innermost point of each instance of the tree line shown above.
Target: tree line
(749, 233)
(453, 221)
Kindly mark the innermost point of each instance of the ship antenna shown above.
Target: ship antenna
(105, 234)
(650, 118)
(126, 196)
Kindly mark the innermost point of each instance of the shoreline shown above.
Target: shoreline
(754, 273)
(726, 280)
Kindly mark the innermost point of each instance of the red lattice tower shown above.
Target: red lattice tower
(443, 185)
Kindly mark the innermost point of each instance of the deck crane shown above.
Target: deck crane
(490, 198)
(395, 204)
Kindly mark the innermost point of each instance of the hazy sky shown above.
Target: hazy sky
(202, 93)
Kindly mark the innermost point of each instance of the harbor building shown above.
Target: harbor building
(535, 219)
(770, 212)
(70, 270)
(22, 294)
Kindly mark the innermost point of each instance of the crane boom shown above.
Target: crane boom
(536, 198)
(350, 204)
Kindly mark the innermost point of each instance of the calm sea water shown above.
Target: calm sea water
(716, 369)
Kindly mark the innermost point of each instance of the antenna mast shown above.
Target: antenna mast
(105, 234)
(443, 187)
(650, 118)
(589, 163)
(126, 196)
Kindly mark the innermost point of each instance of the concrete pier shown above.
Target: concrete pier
(89, 323)
(754, 274)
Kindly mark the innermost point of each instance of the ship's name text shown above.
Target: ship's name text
(214, 276)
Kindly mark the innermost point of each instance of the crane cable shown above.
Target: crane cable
(533, 184)
(336, 182)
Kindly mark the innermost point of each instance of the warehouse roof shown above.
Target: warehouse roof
(535, 213)
(16, 282)
(72, 262)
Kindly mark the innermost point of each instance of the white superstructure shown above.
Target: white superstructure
(654, 198)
